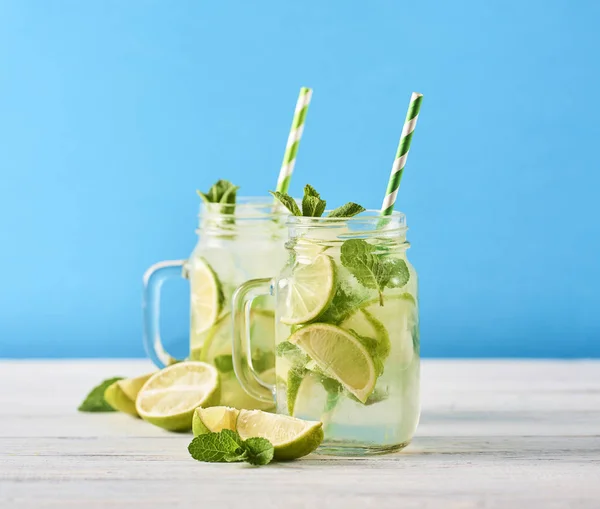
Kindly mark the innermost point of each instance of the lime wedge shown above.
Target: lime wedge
(399, 316)
(122, 394)
(364, 323)
(214, 419)
(310, 290)
(292, 438)
(168, 399)
(206, 296)
(340, 355)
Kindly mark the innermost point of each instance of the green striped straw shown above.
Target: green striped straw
(291, 149)
(401, 154)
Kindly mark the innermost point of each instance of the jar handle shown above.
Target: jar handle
(154, 277)
(241, 347)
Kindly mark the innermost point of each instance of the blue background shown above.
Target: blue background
(113, 113)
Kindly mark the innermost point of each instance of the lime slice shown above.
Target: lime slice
(292, 438)
(340, 355)
(214, 419)
(399, 316)
(168, 399)
(122, 394)
(306, 249)
(218, 339)
(206, 297)
(217, 349)
(203, 342)
(310, 290)
(364, 323)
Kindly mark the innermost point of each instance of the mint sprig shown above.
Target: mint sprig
(223, 192)
(373, 270)
(94, 401)
(314, 206)
(227, 447)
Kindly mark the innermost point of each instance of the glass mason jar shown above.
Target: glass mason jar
(347, 332)
(235, 244)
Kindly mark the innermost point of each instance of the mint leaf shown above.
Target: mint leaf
(227, 447)
(311, 191)
(313, 207)
(312, 204)
(372, 347)
(224, 446)
(343, 303)
(224, 363)
(292, 353)
(399, 274)
(288, 202)
(94, 401)
(348, 210)
(294, 379)
(372, 269)
(259, 451)
(382, 338)
(334, 390)
(359, 257)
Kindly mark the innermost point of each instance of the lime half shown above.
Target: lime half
(214, 419)
(340, 355)
(310, 290)
(168, 399)
(292, 438)
(206, 296)
(122, 394)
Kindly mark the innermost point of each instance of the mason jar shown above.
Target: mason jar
(235, 244)
(347, 332)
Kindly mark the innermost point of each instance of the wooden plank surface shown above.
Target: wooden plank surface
(493, 434)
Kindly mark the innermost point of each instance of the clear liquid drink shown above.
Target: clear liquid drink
(347, 332)
(234, 245)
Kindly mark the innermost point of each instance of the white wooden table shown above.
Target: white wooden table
(493, 434)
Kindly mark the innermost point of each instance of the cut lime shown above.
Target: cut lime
(310, 290)
(217, 351)
(340, 355)
(292, 438)
(122, 394)
(363, 323)
(218, 339)
(399, 316)
(206, 296)
(306, 249)
(168, 399)
(202, 348)
(214, 419)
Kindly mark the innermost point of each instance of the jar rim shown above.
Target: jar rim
(246, 207)
(369, 217)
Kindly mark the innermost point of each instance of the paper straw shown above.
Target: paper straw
(291, 149)
(401, 154)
